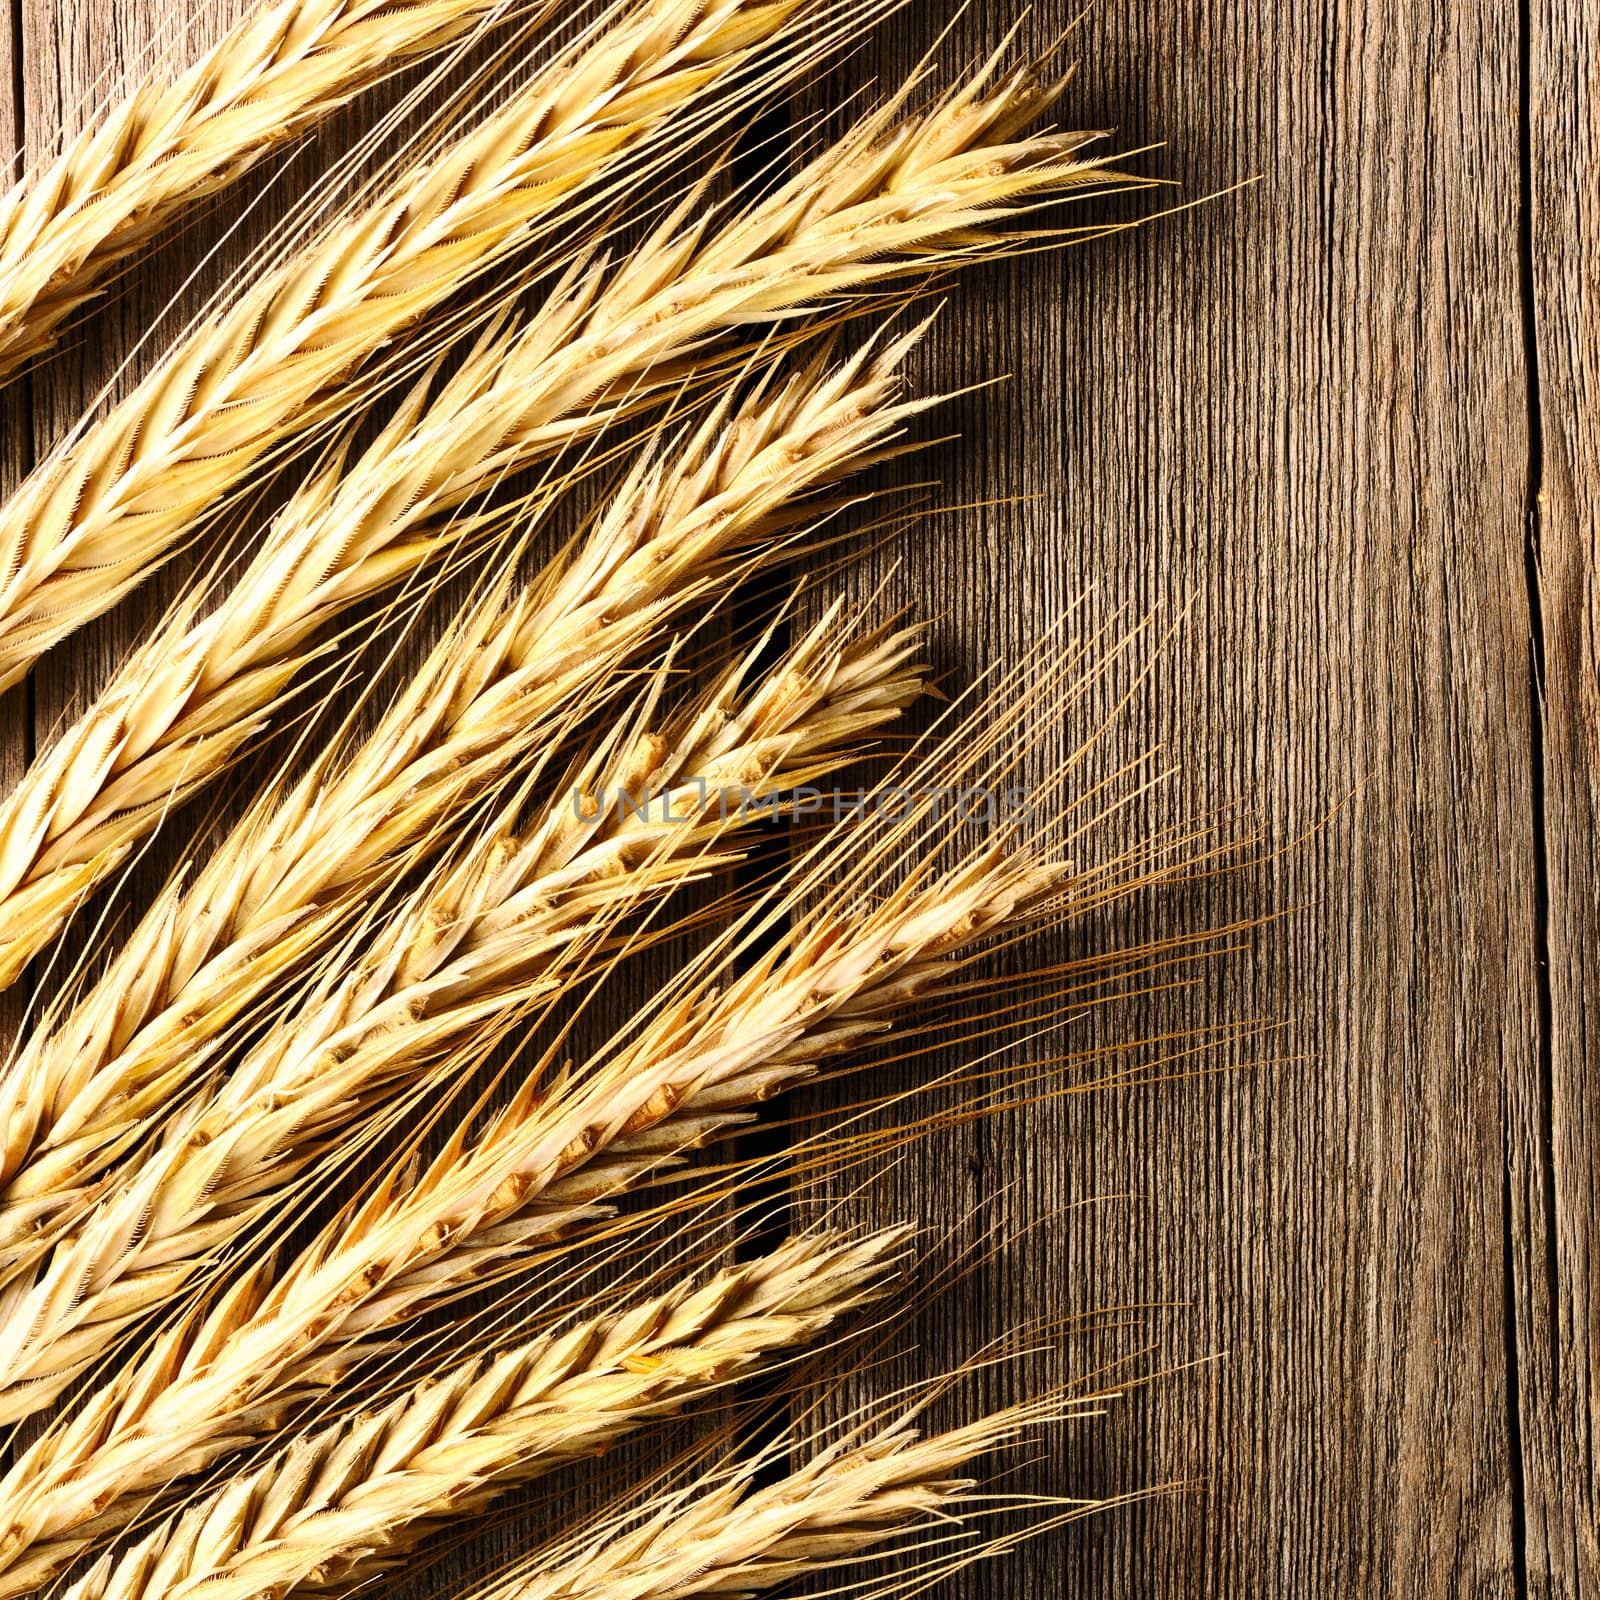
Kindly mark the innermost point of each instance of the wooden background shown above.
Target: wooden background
(1349, 413)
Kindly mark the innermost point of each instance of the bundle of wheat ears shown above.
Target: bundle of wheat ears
(395, 1152)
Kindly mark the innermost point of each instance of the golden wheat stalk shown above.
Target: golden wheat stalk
(175, 138)
(208, 1382)
(491, 935)
(727, 1532)
(501, 684)
(99, 513)
(200, 688)
(333, 1501)
(820, 966)
(892, 194)
(689, 1070)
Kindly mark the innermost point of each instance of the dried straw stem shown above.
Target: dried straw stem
(177, 138)
(502, 683)
(377, 1484)
(488, 938)
(217, 1377)
(98, 514)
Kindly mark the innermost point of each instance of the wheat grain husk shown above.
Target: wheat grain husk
(101, 512)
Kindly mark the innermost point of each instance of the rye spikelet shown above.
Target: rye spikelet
(216, 1378)
(376, 1485)
(897, 192)
(501, 684)
(100, 512)
(177, 138)
(487, 939)
(728, 1533)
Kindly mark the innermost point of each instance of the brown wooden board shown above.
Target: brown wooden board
(1345, 416)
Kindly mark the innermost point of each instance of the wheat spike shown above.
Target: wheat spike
(923, 183)
(689, 1070)
(75, 1094)
(894, 193)
(331, 1502)
(175, 138)
(698, 1057)
(96, 515)
(884, 197)
(726, 1533)
(200, 688)
(491, 935)
(202, 1386)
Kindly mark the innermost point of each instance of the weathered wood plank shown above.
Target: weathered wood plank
(1556, 1218)
(1302, 405)
(1303, 408)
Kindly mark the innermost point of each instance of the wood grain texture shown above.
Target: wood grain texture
(1305, 406)
(1328, 414)
(1553, 1154)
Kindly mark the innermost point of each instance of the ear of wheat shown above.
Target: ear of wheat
(177, 138)
(891, 195)
(692, 1063)
(500, 685)
(95, 516)
(136, 1159)
(727, 1532)
(199, 689)
(226, 1373)
(185, 1401)
(490, 936)
(330, 1504)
